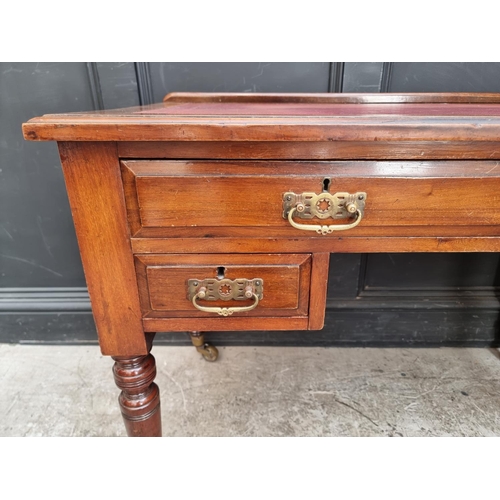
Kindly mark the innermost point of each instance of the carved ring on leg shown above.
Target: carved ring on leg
(140, 397)
(208, 351)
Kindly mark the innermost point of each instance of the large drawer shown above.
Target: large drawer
(250, 194)
(278, 288)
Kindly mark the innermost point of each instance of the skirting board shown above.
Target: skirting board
(62, 316)
(342, 328)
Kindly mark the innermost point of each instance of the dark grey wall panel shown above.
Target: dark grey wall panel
(445, 77)
(441, 271)
(118, 84)
(343, 279)
(238, 77)
(37, 241)
(362, 77)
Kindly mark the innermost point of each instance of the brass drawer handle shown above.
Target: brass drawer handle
(223, 311)
(323, 229)
(323, 206)
(225, 289)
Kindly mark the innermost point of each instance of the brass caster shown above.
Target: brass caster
(209, 352)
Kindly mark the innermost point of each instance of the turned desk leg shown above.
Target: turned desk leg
(140, 396)
(208, 351)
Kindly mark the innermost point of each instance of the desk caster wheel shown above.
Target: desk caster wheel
(209, 352)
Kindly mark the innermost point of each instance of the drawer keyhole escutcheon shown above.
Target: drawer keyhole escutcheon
(225, 289)
(323, 206)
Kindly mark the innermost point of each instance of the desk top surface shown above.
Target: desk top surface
(283, 117)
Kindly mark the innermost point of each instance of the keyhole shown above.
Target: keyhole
(326, 184)
(221, 271)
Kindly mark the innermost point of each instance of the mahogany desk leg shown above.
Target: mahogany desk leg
(140, 396)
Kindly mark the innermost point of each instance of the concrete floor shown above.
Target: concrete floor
(259, 391)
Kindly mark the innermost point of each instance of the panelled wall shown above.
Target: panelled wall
(389, 299)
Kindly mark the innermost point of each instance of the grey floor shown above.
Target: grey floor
(259, 391)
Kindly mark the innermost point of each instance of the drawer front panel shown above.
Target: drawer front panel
(164, 283)
(178, 194)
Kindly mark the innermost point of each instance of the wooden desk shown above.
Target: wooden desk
(219, 211)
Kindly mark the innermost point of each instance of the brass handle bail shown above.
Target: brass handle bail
(225, 311)
(324, 206)
(324, 229)
(211, 289)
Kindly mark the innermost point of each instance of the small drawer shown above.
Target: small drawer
(275, 285)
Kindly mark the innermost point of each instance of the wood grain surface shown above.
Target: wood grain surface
(330, 243)
(250, 194)
(374, 98)
(319, 286)
(229, 324)
(163, 283)
(93, 181)
(362, 118)
(319, 150)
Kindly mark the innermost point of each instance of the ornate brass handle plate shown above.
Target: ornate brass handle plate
(324, 206)
(225, 289)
